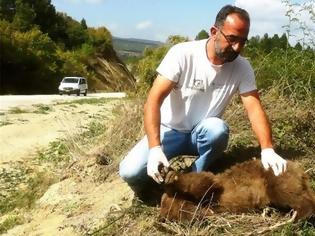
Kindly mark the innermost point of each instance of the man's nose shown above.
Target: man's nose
(237, 47)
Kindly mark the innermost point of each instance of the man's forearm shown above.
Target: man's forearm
(258, 119)
(152, 114)
(152, 119)
(261, 128)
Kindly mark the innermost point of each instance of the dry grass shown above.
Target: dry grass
(111, 138)
(143, 220)
(124, 128)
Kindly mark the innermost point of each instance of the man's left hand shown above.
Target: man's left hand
(270, 158)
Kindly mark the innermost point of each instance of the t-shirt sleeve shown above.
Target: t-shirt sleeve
(170, 66)
(247, 81)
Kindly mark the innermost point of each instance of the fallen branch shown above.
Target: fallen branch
(273, 227)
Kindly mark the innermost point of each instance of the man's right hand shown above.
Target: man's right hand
(156, 157)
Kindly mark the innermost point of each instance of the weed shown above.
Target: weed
(4, 123)
(302, 228)
(70, 207)
(56, 152)
(73, 105)
(42, 109)
(91, 101)
(94, 129)
(17, 110)
(21, 186)
(10, 222)
(126, 221)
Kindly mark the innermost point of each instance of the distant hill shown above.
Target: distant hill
(131, 46)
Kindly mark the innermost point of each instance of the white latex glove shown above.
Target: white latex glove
(271, 159)
(156, 157)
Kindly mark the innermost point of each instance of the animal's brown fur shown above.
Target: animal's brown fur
(242, 188)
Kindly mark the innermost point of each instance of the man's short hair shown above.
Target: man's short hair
(227, 10)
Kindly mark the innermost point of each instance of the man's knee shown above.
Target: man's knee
(133, 166)
(129, 172)
(214, 131)
(216, 127)
(123, 171)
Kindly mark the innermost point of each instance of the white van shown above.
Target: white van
(73, 85)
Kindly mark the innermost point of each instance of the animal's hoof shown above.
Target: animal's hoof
(163, 171)
(171, 177)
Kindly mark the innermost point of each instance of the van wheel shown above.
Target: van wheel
(85, 93)
(78, 93)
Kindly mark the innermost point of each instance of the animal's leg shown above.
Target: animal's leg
(176, 208)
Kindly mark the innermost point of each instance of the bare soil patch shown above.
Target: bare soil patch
(76, 203)
(24, 132)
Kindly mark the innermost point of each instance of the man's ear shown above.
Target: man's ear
(213, 31)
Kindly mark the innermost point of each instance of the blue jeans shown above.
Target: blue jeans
(207, 140)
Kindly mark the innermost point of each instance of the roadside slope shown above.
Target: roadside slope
(85, 188)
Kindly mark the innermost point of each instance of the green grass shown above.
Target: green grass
(57, 151)
(302, 228)
(92, 101)
(94, 129)
(10, 222)
(42, 109)
(4, 123)
(17, 110)
(62, 150)
(21, 186)
(39, 109)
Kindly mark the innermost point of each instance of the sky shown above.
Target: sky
(158, 19)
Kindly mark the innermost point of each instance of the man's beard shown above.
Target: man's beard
(226, 55)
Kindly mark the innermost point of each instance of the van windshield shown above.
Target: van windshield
(70, 80)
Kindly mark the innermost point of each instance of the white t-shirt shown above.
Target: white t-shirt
(202, 89)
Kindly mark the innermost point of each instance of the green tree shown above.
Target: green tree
(46, 17)
(40, 45)
(83, 24)
(298, 46)
(202, 35)
(275, 41)
(28, 60)
(24, 16)
(7, 9)
(75, 34)
(284, 43)
(266, 43)
(146, 67)
(175, 39)
(99, 36)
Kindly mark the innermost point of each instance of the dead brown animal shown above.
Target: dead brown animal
(244, 187)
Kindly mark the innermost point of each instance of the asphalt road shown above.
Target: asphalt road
(24, 101)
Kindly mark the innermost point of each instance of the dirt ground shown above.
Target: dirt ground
(25, 128)
(74, 204)
(26, 133)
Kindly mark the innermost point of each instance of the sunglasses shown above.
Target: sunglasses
(233, 39)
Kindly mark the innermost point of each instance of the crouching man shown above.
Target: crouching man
(195, 82)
